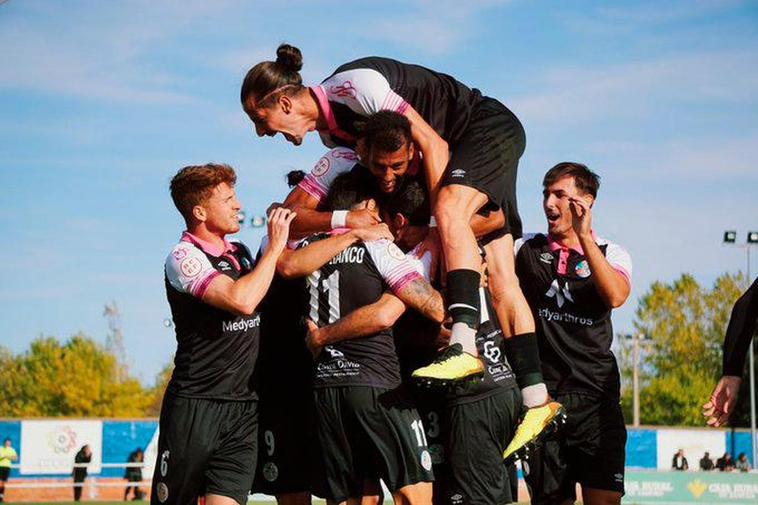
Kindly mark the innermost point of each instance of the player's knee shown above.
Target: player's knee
(503, 285)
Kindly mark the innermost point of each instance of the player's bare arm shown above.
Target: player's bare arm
(243, 295)
(364, 321)
(310, 220)
(420, 295)
(434, 148)
(612, 286)
(305, 261)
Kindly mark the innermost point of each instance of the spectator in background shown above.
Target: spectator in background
(742, 463)
(679, 462)
(80, 472)
(134, 474)
(706, 464)
(7, 456)
(725, 463)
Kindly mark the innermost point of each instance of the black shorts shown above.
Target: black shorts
(588, 450)
(204, 447)
(368, 433)
(479, 432)
(4, 472)
(286, 438)
(486, 159)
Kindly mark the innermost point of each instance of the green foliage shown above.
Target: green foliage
(681, 362)
(76, 378)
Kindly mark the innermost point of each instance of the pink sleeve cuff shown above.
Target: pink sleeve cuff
(624, 273)
(398, 283)
(312, 187)
(201, 286)
(394, 102)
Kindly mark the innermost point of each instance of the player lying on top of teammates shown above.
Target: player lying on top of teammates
(470, 146)
(389, 157)
(367, 426)
(468, 425)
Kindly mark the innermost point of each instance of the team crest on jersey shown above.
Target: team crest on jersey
(583, 269)
(395, 251)
(162, 490)
(190, 267)
(322, 167)
(426, 460)
(546, 258)
(270, 471)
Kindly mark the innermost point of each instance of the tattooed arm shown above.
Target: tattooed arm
(420, 295)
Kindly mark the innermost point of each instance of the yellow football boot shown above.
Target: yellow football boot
(538, 422)
(451, 365)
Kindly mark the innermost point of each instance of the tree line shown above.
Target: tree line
(682, 321)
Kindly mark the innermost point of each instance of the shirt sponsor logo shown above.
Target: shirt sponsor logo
(561, 294)
(546, 258)
(241, 324)
(583, 269)
(491, 352)
(564, 317)
(322, 167)
(458, 172)
(191, 267)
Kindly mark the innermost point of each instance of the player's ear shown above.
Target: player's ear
(400, 221)
(411, 150)
(589, 199)
(199, 213)
(286, 103)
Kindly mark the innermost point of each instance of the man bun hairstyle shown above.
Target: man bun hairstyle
(386, 131)
(194, 184)
(294, 177)
(268, 80)
(585, 180)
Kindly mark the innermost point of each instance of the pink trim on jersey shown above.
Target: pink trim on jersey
(399, 283)
(206, 246)
(323, 104)
(199, 289)
(555, 245)
(623, 273)
(312, 187)
(394, 102)
(563, 261)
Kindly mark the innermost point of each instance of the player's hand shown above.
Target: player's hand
(581, 216)
(722, 402)
(374, 232)
(443, 337)
(312, 341)
(279, 228)
(362, 218)
(273, 206)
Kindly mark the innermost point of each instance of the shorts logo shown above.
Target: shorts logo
(270, 471)
(546, 258)
(619, 477)
(162, 490)
(395, 251)
(456, 499)
(322, 167)
(438, 453)
(458, 172)
(583, 269)
(426, 460)
(190, 267)
(246, 264)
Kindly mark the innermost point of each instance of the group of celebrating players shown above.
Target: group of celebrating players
(395, 324)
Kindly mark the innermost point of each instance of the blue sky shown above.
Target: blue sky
(102, 102)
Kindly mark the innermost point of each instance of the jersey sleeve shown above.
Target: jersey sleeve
(393, 265)
(189, 271)
(421, 262)
(620, 260)
(521, 241)
(364, 90)
(332, 164)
